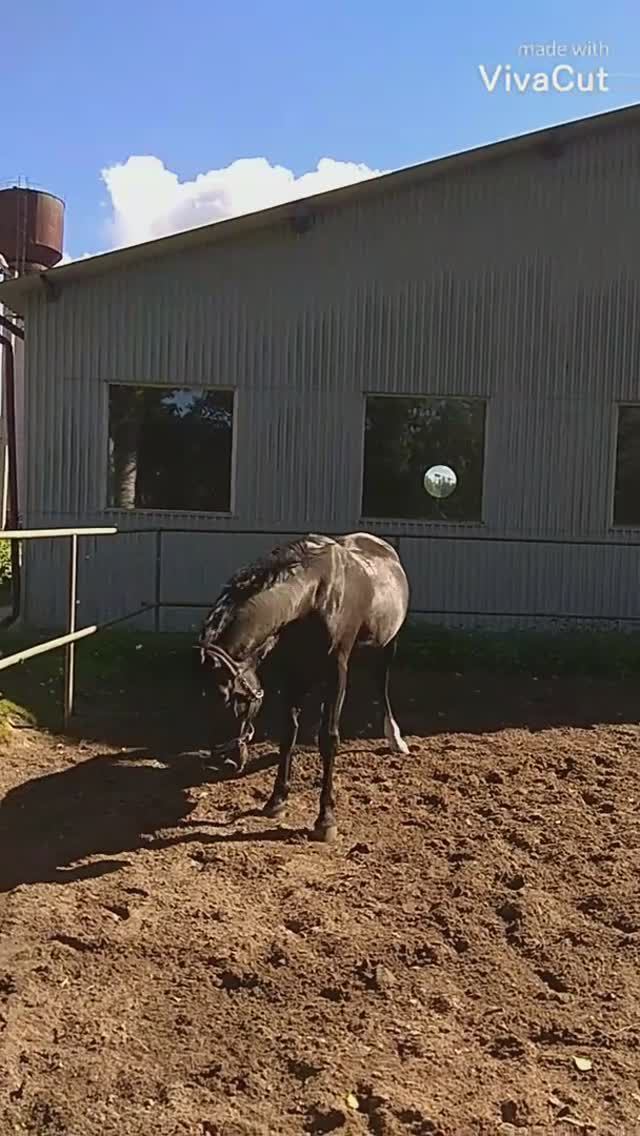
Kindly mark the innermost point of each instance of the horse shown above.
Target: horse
(311, 602)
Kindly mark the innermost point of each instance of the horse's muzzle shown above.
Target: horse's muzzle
(234, 752)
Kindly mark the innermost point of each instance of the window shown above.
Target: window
(626, 498)
(423, 458)
(170, 448)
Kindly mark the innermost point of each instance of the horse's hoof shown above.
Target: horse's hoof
(400, 746)
(394, 737)
(274, 809)
(325, 834)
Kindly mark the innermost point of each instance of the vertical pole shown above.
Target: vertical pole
(70, 650)
(5, 485)
(158, 581)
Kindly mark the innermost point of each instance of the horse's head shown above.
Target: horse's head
(235, 694)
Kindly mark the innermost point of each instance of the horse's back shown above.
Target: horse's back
(369, 545)
(388, 585)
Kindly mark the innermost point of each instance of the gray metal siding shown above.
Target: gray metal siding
(517, 281)
(533, 579)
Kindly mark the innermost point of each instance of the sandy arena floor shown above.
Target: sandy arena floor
(465, 960)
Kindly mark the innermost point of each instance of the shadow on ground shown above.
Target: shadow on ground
(106, 805)
(426, 704)
(115, 803)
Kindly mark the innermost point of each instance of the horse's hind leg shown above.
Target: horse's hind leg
(391, 728)
(277, 802)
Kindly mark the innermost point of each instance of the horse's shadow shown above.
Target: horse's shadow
(103, 807)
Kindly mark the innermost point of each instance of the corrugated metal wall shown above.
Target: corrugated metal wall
(517, 280)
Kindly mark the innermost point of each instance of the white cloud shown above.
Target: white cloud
(149, 201)
(66, 258)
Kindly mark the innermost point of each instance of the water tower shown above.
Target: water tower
(31, 240)
(31, 229)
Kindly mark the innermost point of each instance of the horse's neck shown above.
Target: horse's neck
(257, 622)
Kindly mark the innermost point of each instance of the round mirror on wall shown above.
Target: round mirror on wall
(440, 481)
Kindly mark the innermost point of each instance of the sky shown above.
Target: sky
(148, 118)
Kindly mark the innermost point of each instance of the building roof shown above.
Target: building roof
(15, 293)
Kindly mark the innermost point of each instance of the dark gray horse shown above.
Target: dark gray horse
(310, 602)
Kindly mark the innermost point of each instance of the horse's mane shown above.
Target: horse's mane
(279, 564)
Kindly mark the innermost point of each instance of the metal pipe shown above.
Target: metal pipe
(42, 648)
(70, 650)
(12, 448)
(158, 581)
(39, 534)
(9, 390)
(559, 616)
(5, 487)
(11, 327)
(183, 603)
(123, 618)
(570, 542)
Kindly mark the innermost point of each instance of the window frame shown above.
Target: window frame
(189, 514)
(430, 522)
(617, 526)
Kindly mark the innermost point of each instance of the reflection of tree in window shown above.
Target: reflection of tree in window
(405, 436)
(626, 506)
(170, 448)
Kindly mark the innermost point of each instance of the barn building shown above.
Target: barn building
(473, 318)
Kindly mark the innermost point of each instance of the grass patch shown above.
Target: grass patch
(606, 654)
(107, 667)
(12, 715)
(5, 564)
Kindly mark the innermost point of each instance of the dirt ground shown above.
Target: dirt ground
(171, 964)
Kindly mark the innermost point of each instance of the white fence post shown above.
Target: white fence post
(70, 649)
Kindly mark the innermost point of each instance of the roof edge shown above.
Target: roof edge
(17, 292)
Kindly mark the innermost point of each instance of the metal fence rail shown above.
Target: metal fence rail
(48, 645)
(70, 639)
(397, 540)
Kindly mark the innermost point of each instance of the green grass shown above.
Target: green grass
(106, 665)
(109, 664)
(608, 654)
(5, 564)
(11, 714)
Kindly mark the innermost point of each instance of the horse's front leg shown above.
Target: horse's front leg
(326, 828)
(291, 718)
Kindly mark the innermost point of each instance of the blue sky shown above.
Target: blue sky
(199, 85)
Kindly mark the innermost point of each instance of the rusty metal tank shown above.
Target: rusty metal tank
(31, 229)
